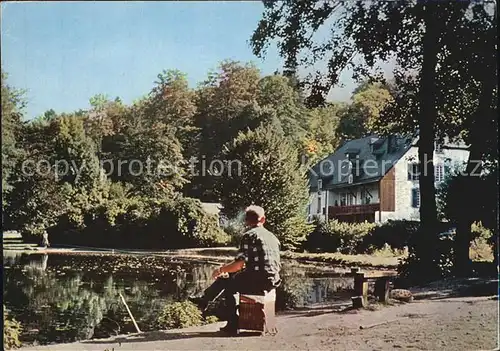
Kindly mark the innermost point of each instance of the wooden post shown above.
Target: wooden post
(382, 286)
(130, 314)
(327, 204)
(360, 298)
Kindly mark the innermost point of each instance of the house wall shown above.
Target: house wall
(313, 203)
(335, 195)
(387, 191)
(373, 189)
(403, 187)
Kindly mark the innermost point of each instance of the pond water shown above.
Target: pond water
(64, 298)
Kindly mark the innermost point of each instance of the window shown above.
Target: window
(365, 197)
(413, 171)
(350, 200)
(347, 199)
(438, 173)
(320, 184)
(318, 210)
(438, 147)
(415, 197)
(343, 199)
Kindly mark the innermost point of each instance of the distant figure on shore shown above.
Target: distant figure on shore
(45, 240)
(255, 269)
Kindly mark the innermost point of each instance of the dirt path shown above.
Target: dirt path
(447, 324)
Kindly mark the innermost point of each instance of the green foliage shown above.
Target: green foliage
(292, 292)
(336, 236)
(104, 119)
(149, 151)
(234, 227)
(58, 174)
(449, 92)
(227, 104)
(194, 227)
(173, 103)
(483, 241)
(163, 224)
(236, 114)
(211, 319)
(396, 234)
(480, 232)
(362, 116)
(412, 267)
(180, 315)
(273, 180)
(458, 189)
(12, 110)
(11, 331)
(283, 101)
(76, 149)
(322, 126)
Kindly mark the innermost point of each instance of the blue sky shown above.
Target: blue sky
(64, 53)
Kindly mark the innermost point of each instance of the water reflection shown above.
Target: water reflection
(65, 298)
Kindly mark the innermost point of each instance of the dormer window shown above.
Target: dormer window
(351, 153)
(438, 147)
(376, 146)
(439, 173)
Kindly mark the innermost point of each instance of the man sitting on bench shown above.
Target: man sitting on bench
(255, 269)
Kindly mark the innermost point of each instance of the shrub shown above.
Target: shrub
(211, 319)
(478, 231)
(11, 331)
(393, 233)
(293, 291)
(320, 239)
(481, 246)
(180, 315)
(143, 223)
(481, 250)
(416, 270)
(336, 236)
(273, 180)
(186, 224)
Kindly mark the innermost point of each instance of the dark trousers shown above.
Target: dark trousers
(241, 282)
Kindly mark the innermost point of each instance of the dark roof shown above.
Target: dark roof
(333, 170)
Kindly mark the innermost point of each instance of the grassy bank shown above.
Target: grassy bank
(338, 259)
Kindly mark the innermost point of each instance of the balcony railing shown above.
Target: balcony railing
(354, 209)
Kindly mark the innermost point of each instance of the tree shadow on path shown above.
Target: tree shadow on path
(166, 336)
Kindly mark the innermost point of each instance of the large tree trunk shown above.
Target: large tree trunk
(426, 121)
(478, 145)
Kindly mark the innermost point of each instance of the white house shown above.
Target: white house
(376, 179)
